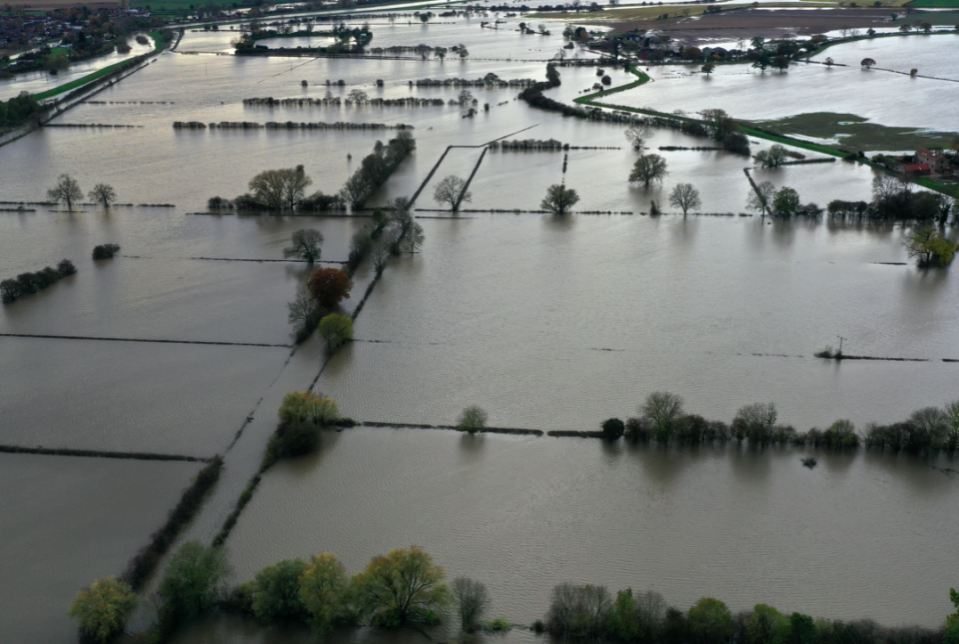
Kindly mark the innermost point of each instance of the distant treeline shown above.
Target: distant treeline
(591, 613)
(289, 125)
(336, 101)
(490, 81)
(894, 200)
(551, 145)
(30, 283)
(663, 420)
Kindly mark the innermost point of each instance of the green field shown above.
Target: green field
(100, 73)
(934, 3)
(856, 133)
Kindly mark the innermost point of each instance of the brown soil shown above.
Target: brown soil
(768, 23)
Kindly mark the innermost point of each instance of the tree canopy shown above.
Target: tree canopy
(449, 190)
(648, 168)
(305, 245)
(329, 286)
(402, 587)
(559, 199)
(685, 197)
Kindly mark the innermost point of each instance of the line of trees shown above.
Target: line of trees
(662, 419)
(30, 283)
(584, 612)
(376, 168)
(894, 200)
(67, 190)
(405, 588)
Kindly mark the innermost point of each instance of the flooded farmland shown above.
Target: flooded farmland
(181, 345)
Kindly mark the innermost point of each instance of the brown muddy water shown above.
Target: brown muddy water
(858, 536)
(64, 522)
(547, 323)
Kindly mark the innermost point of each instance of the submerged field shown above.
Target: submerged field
(181, 345)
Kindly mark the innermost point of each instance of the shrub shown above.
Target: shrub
(10, 290)
(218, 204)
(539, 626)
(275, 591)
(637, 430)
(66, 267)
(306, 407)
(106, 251)
(472, 419)
(472, 600)
(498, 625)
(613, 429)
(336, 330)
(191, 584)
(291, 440)
(103, 609)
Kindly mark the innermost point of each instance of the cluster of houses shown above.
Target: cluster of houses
(652, 46)
(925, 163)
(20, 31)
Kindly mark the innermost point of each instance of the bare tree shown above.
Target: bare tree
(305, 245)
(472, 600)
(636, 134)
(295, 183)
(67, 190)
(661, 410)
(761, 197)
(449, 190)
(103, 194)
(685, 197)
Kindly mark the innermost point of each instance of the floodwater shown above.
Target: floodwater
(857, 536)
(551, 323)
(67, 521)
(560, 323)
(882, 97)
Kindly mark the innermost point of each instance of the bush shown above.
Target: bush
(613, 429)
(275, 591)
(106, 251)
(10, 290)
(498, 625)
(336, 330)
(103, 609)
(218, 204)
(472, 419)
(66, 268)
(293, 439)
(191, 584)
(637, 430)
(307, 407)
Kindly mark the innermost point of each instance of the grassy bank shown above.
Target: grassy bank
(160, 44)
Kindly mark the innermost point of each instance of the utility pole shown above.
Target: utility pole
(840, 343)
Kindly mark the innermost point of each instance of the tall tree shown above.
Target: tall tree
(685, 197)
(402, 587)
(269, 189)
(295, 183)
(67, 190)
(559, 199)
(647, 169)
(472, 600)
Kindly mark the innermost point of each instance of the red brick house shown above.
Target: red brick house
(937, 163)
